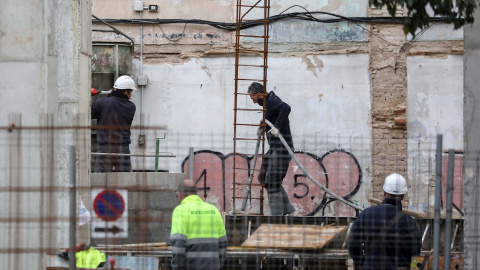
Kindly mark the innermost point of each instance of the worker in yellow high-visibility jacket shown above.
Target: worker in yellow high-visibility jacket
(198, 236)
(90, 258)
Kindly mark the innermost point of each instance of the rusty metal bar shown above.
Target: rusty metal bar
(239, 10)
(19, 127)
(246, 184)
(129, 155)
(240, 18)
(256, 6)
(249, 110)
(252, 36)
(259, 21)
(43, 189)
(243, 65)
(252, 198)
(54, 219)
(249, 50)
(243, 169)
(246, 139)
(253, 80)
(242, 94)
(250, 125)
(116, 31)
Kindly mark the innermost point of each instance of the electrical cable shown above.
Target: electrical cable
(306, 16)
(171, 39)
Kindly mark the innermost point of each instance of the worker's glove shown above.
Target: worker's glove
(260, 131)
(274, 131)
(95, 92)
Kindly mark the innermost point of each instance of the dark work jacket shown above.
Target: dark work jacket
(277, 113)
(116, 111)
(395, 249)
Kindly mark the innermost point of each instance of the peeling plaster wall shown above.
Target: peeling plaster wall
(435, 106)
(435, 99)
(329, 96)
(192, 67)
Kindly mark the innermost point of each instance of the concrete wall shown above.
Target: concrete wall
(471, 134)
(45, 72)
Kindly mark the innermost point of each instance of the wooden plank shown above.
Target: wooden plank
(292, 236)
(142, 245)
(406, 211)
(134, 262)
(67, 268)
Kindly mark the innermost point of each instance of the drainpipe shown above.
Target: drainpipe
(141, 70)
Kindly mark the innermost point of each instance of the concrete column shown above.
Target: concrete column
(471, 126)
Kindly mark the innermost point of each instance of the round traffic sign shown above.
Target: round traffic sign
(109, 205)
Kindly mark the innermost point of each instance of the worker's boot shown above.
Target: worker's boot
(275, 200)
(287, 206)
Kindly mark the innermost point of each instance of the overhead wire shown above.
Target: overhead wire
(306, 16)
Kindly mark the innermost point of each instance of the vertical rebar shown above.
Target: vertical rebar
(190, 164)
(157, 151)
(438, 194)
(73, 207)
(448, 221)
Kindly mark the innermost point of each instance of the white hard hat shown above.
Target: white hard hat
(395, 184)
(124, 82)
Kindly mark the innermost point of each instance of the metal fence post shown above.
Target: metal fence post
(448, 221)
(190, 164)
(73, 209)
(438, 197)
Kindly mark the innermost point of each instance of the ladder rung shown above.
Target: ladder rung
(250, 125)
(246, 184)
(246, 50)
(253, 198)
(255, 6)
(252, 36)
(266, 20)
(243, 169)
(244, 139)
(245, 154)
(243, 65)
(245, 94)
(248, 110)
(254, 80)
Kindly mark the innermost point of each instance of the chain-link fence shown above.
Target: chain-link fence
(54, 200)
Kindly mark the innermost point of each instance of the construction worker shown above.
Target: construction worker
(198, 236)
(384, 237)
(116, 114)
(277, 159)
(86, 256)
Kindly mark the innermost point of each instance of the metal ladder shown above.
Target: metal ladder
(243, 14)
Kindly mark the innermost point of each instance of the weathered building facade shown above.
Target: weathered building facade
(362, 87)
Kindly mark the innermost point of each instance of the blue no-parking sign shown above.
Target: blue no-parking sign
(110, 215)
(109, 205)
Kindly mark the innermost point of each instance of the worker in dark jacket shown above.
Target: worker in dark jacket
(198, 236)
(277, 159)
(115, 115)
(383, 237)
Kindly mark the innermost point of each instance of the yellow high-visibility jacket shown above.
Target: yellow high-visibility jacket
(90, 258)
(198, 236)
